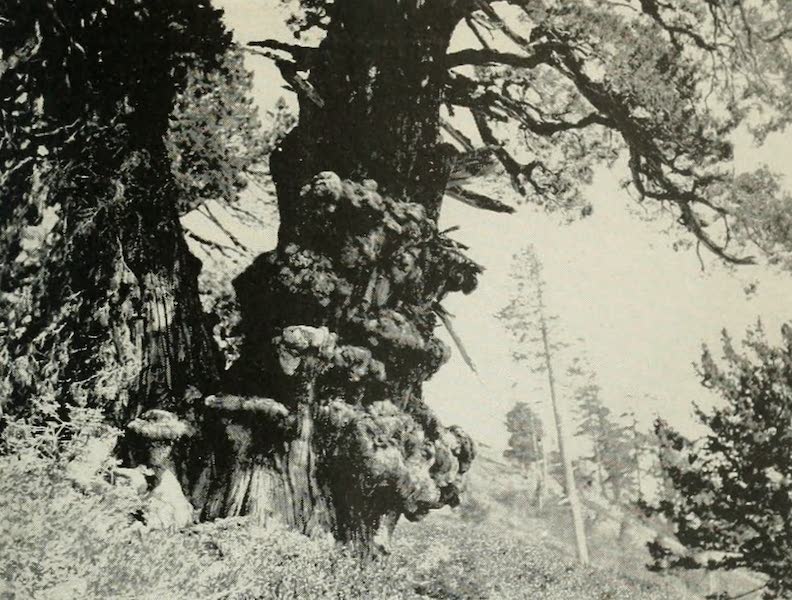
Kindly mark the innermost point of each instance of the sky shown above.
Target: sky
(635, 308)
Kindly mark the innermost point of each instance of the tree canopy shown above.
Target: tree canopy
(664, 85)
(729, 493)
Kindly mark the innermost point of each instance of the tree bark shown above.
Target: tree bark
(116, 321)
(322, 423)
(117, 312)
(140, 282)
(539, 450)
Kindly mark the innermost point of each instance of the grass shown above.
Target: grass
(61, 539)
(62, 543)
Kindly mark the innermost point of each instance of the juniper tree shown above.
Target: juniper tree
(116, 118)
(728, 494)
(92, 315)
(321, 422)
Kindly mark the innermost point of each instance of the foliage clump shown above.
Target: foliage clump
(728, 494)
(526, 433)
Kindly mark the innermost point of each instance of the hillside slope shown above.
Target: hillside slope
(502, 498)
(61, 538)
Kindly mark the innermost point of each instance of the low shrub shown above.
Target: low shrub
(67, 532)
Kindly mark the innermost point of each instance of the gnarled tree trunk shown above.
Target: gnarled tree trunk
(322, 423)
(140, 282)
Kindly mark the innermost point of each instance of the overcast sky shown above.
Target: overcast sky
(641, 309)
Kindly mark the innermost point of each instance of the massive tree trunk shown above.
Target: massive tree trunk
(115, 313)
(322, 424)
(140, 283)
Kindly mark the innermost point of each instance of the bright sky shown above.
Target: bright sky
(641, 309)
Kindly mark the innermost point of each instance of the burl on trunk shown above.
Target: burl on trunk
(321, 423)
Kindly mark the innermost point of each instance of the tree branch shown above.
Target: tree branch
(446, 320)
(457, 135)
(693, 223)
(207, 212)
(488, 56)
(494, 17)
(303, 56)
(478, 200)
(651, 8)
(516, 170)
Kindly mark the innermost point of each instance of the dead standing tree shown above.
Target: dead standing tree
(527, 318)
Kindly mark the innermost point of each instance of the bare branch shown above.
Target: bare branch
(446, 319)
(515, 169)
(457, 135)
(500, 24)
(303, 56)
(487, 56)
(224, 250)
(693, 223)
(478, 200)
(207, 212)
(474, 163)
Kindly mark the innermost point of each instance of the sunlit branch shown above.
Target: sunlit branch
(473, 24)
(500, 24)
(477, 200)
(457, 135)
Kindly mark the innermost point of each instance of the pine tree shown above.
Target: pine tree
(526, 445)
(617, 447)
(526, 434)
(640, 445)
(528, 321)
(729, 493)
